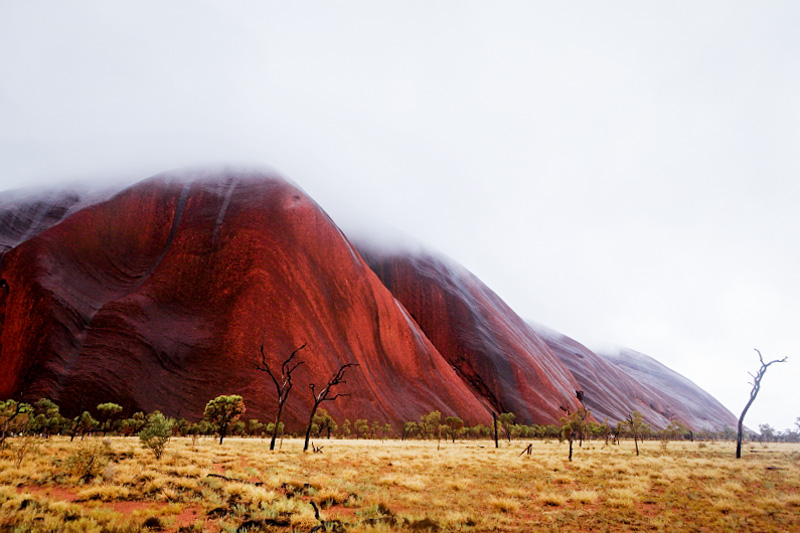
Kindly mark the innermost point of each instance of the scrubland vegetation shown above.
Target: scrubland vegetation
(149, 472)
(116, 484)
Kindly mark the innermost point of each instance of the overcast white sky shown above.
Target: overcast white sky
(627, 173)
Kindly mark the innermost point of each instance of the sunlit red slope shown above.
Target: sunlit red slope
(159, 297)
(616, 386)
(493, 349)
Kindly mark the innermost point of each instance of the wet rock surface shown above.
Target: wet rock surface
(158, 296)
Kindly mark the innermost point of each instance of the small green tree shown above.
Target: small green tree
(238, 428)
(47, 419)
(673, 431)
(156, 433)
(619, 431)
(14, 417)
(222, 411)
(568, 430)
(574, 426)
(181, 427)
(586, 424)
(409, 430)
(604, 430)
(454, 426)
(256, 428)
(82, 424)
(271, 429)
(194, 432)
(324, 422)
(506, 420)
(430, 425)
(133, 425)
(107, 412)
(361, 427)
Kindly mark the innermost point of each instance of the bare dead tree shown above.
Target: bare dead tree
(753, 392)
(283, 384)
(494, 422)
(637, 424)
(322, 396)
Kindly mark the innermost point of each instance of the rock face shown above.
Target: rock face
(159, 298)
(493, 349)
(681, 398)
(26, 213)
(616, 385)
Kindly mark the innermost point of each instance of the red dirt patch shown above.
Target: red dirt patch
(187, 517)
(127, 508)
(54, 492)
(338, 512)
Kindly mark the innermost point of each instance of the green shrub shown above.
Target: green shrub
(156, 433)
(89, 460)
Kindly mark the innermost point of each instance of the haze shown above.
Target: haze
(624, 173)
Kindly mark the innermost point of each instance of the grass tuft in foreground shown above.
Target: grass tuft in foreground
(115, 485)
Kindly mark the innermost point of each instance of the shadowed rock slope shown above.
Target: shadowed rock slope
(616, 385)
(681, 398)
(159, 297)
(27, 212)
(491, 347)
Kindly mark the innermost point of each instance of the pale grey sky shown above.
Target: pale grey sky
(626, 173)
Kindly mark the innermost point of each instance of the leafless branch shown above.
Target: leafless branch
(283, 386)
(756, 386)
(339, 395)
(322, 396)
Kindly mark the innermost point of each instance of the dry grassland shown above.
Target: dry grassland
(373, 486)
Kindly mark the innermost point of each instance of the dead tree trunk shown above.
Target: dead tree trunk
(322, 396)
(635, 430)
(756, 387)
(494, 418)
(282, 386)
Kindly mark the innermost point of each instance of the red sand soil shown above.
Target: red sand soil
(54, 492)
(187, 516)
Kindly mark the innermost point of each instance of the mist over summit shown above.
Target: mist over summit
(158, 296)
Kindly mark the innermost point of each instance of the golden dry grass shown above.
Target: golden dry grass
(398, 486)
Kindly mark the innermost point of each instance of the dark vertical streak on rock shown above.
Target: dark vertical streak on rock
(80, 337)
(176, 220)
(4, 292)
(226, 200)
